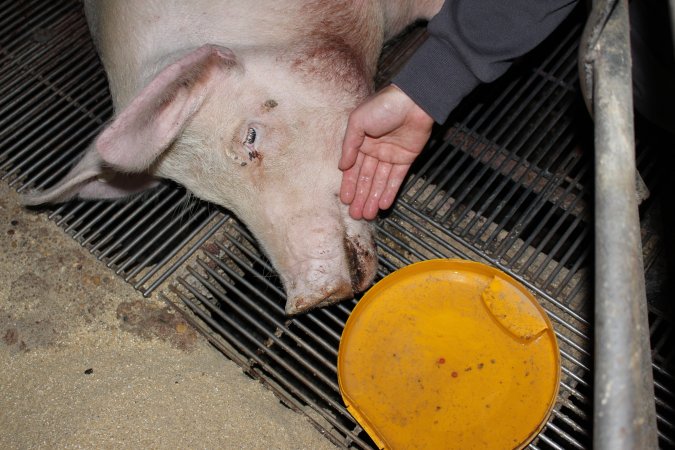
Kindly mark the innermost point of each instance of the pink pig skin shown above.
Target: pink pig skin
(245, 104)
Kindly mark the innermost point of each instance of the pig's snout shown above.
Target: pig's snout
(319, 288)
(303, 302)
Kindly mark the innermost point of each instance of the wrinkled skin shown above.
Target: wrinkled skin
(245, 104)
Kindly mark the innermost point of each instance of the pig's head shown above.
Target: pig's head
(258, 133)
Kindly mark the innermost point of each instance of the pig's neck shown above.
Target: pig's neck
(355, 27)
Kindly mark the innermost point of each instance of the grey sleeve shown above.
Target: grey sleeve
(472, 42)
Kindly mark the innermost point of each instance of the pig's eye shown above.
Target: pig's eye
(250, 136)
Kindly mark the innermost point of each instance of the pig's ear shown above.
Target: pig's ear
(159, 113)
(89, 179)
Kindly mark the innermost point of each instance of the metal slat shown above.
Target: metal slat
(281, 379)
(501, 129)
(326, 332)
(28, 157)
(176, 249)
(500, 252)
(278, 309)
(27, 63)
(494, 192)
(254, 358)
(133, 220)
(162, 241)
(276, 322)
(144, 240)
(21, 97)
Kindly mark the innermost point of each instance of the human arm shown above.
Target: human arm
(470, 42)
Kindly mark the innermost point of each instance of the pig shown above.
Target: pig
(245, 104)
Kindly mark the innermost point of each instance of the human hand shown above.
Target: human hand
(384, 136)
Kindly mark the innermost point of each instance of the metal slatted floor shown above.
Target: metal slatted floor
(506, 182)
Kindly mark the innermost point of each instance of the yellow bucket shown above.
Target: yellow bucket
(449, 354)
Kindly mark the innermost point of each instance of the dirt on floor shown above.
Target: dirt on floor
(88, 363)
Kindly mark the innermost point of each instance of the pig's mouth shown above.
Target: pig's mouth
(361, 262)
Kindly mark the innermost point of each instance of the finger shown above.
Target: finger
(363, 185)
(396, 177)
(349, 180)
(384, 150)
(371, 207)
(354, 136)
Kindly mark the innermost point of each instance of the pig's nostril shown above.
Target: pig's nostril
(352, 256)
(360, 261)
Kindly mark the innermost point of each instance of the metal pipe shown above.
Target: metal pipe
(624, 408)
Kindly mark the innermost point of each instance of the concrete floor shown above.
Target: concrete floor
(88, 363)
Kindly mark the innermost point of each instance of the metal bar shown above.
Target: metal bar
(580, 382)
(546, 187)
(624, 408)
(91, 224)
(556, 248)
(551, 443)
(506, 243)
(9, 16)
(155, 229)
(567, 403)
(29, 155)
(135, 220)
(328, 332)
(245, 301)
(381, 231)
(505, 124)
(570, 422)
(659, 387)
(253, 357)
(179, 262)
(177, 247)
(272, 355)
(576, 395)
(40, 59)
(37, 125)
(72, 213)
(183, 217)
(508, 164)
(423, 174)
(61, 161)
(81, 218)
(122, 210)
(570, 440)
(562, 261)
(21, 99)
(29, 23)
(567, 281)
